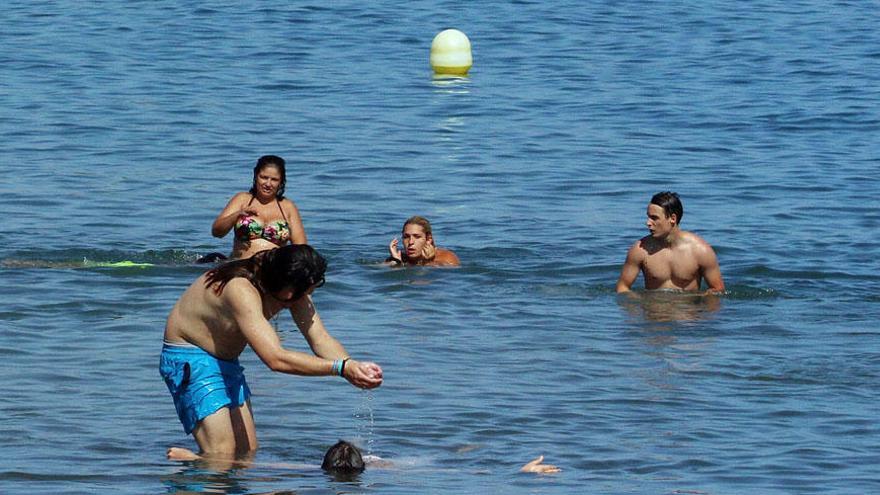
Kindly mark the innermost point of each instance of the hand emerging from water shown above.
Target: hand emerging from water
(535, 466)
(363, 374)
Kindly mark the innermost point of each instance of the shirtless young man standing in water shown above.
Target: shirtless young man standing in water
(670, 258)
(224, 311)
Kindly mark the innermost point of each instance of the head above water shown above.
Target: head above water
(670, 203)
(297, 267)
(417, 240)
(343, 458)
(270, 161)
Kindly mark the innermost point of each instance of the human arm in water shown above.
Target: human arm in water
(245, 304)
(183, 454)
(536, 466)
(709, 268)
(236, 207)
(631, 267)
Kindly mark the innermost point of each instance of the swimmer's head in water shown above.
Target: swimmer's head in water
(343, 458)
(670, 203)
(418, 240)
(270, 161)
(297, 267)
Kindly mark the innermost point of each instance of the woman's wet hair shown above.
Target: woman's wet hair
(421, 222)
(270, 161)
(343, 458)
(670, 203)
(296, 266)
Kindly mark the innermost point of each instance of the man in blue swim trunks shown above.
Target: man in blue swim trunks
(227, 309)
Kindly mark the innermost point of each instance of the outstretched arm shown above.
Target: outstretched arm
(630, 271)
(307, 319)
(246, 306)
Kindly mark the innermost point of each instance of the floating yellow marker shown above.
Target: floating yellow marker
(451, 53)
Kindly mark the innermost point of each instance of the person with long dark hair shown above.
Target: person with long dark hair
(227, 309)
(261, 218)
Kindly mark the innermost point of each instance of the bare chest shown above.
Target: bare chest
(671, 269)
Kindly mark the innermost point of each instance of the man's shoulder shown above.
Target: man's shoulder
(645, 245)
(697, 247)
(692, 239)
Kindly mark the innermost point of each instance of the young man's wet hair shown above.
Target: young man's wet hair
(296, 266)
(670, 203)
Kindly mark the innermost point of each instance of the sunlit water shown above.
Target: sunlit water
(127, 126)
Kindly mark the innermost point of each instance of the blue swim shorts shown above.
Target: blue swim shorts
(200, 383)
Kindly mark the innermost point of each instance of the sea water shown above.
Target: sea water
(127, 126)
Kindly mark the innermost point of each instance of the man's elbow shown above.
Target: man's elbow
(275, 363)
(715, 286)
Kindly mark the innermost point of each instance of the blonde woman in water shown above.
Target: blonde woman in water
(419, 247)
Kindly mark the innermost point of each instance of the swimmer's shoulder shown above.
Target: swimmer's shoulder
(640, 248)
(445, 257)
(695, 242)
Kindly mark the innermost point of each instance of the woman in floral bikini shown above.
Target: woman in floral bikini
(261, 218)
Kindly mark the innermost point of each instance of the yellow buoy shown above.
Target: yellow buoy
(451, 53)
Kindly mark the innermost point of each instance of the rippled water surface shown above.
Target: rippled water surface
(127, 126)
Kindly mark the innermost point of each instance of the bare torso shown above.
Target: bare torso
(678, 263)
(200, 318)
(670, 266)
(266, 211)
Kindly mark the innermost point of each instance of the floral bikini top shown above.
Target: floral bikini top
(248, 228)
